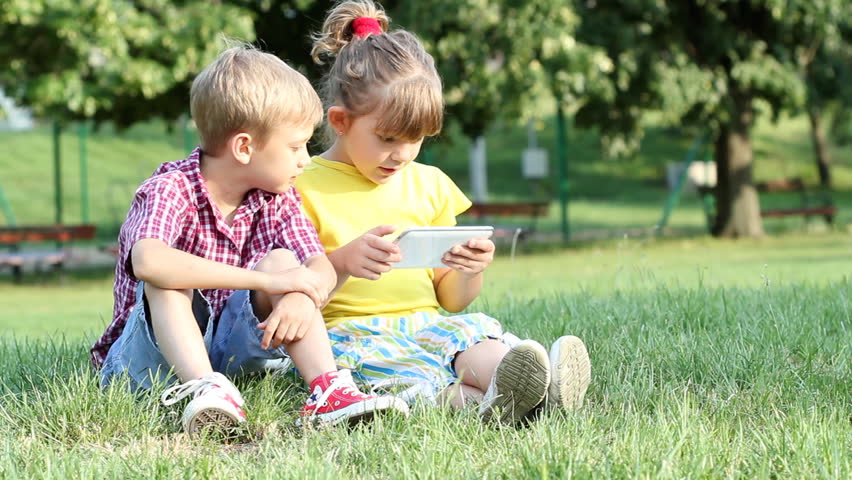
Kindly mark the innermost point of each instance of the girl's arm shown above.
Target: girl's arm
(368, 256)
(456, 290)
(457, 286)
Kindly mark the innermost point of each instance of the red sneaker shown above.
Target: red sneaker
(335, 398)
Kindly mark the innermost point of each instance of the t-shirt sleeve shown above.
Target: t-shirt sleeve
(298, 233)
(450, 201)
(157, 211)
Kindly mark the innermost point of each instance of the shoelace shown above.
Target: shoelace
(344, 381)
(417, 389)
(196, 387)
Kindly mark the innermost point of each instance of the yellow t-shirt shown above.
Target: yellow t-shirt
(343, 204)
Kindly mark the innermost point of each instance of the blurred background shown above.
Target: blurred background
(571, 120)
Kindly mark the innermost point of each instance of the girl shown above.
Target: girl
(383, 96)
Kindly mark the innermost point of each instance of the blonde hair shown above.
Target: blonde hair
(389, 72)
(245, 89)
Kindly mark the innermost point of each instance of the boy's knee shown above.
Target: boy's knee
(278, 260)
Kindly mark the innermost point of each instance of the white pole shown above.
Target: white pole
(478, 170)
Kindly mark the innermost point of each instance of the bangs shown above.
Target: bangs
(412, 109)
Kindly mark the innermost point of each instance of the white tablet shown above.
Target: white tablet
(423, 247)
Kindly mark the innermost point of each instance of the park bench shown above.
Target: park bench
(486, 211)
(811, 203)
(53, 258)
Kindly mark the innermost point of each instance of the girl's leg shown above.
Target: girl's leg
(176, 331)
(476, 366)
(458, 395)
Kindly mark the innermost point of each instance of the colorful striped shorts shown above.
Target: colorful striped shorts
(415, 349)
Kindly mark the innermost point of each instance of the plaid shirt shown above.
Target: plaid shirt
(174, 206)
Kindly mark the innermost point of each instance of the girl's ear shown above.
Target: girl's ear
(339, 119)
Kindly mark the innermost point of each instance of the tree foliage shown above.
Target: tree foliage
(706, 63)
(109, 60)
(501, 58)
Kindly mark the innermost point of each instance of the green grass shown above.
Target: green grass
(605, 194)
(710, 360)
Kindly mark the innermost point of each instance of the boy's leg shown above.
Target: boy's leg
(312, 353)
(237, 350)
(168, 317)
(177, 333)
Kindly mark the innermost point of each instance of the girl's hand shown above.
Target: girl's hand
(370, 255)
(472, 258)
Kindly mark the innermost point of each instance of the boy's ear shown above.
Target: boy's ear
(339, 119)
(241, 147)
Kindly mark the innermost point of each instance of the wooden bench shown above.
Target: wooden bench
(811, 203)
(533, 210)
(16, 259)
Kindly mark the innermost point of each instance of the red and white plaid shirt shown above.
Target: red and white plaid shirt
(174, 206)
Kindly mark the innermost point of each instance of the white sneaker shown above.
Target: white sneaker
(519, 383)
(571, 372)
(216, 402)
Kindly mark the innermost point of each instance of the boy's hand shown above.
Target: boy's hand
(298, 279)
(370, 255)
(289, 320)
(471, 258)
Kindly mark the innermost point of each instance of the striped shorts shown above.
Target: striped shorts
(414, 349)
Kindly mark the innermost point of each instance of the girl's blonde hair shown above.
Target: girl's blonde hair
(388, 72)
(245, 89)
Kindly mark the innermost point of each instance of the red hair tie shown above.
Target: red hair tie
(363, 26)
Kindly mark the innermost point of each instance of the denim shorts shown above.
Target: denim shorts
(232, 342)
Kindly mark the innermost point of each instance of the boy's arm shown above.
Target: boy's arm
(154, 262)
(326, 271)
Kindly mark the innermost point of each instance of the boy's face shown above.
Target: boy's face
(283, 158)
(377, 156)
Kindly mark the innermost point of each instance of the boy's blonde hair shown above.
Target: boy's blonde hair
(245, 89)
(388, 72)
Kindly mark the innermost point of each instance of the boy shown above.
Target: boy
(218, 267)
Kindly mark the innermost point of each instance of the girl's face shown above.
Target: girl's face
(376, 155)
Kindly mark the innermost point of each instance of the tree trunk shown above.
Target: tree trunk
(821, 154)
(737, 206)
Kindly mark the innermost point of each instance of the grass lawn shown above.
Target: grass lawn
(710, 359)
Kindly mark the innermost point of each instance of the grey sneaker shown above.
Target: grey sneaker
(571, 372)
(519, 384)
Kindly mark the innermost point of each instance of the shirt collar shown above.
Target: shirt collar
(255, 199)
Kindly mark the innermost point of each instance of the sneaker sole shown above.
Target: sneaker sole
(357, 413)
(572, 372)
(211, 417)
(521, 379)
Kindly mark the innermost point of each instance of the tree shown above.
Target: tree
(828, 75)
(739, 50)
(107, 60)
